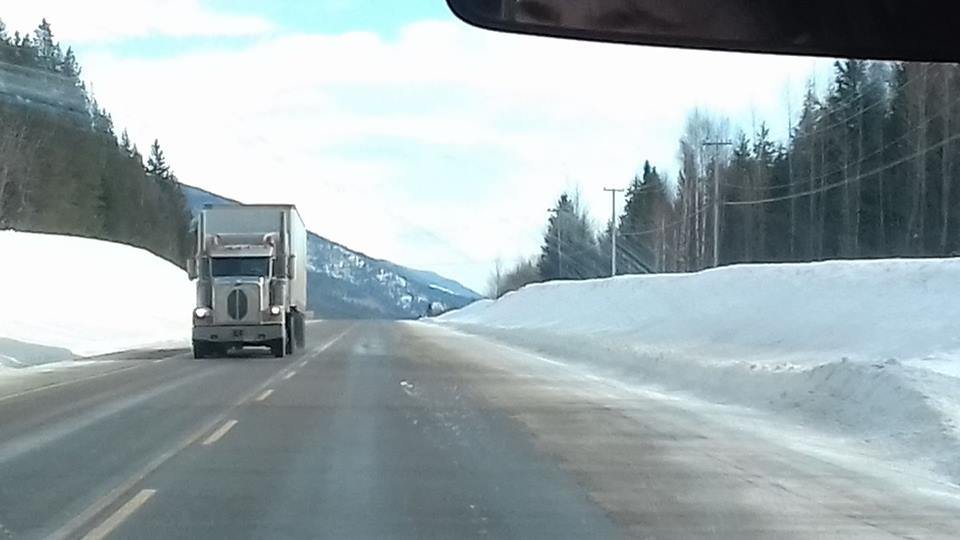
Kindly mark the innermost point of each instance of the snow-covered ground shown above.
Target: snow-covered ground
(866, 350)
(87, 296)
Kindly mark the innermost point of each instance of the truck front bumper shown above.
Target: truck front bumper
(249, 334)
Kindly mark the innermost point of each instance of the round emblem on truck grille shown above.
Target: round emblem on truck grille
(237, 304)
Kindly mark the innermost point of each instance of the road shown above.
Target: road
(406, 430)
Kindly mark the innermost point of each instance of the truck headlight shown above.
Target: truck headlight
(275, 310)
(201, 312)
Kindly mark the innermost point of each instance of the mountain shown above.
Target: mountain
(346, 284)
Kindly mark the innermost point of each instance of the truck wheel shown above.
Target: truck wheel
(300, 330)
(278, 347)
(289, 339)
(199, 349)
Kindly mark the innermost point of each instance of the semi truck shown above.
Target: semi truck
(250, 268)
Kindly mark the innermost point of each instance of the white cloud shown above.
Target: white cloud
(104, 21)
(441, 148)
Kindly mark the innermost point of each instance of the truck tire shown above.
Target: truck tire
(300, 330)
(289, 337)
(199, 349)
(278, 347)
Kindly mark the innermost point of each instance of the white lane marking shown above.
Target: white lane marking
(264, 395)
(219, 433)
(104, 529)
(330, 343)
(69, 530)
(291, 374)
(303, 364)
(158, 360)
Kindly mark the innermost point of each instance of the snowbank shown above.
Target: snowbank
(866, 349)
(88, 296)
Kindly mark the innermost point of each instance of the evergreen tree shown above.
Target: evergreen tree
(646, 209)
(25, 54)
(157, 163)
(570, 246)
(48, 51)
(63, 170)
(69, 66)
(551, 264)
(125, 143)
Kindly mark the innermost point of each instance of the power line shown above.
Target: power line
(859, 177)
(830, 127)
(823, 188)
(864, 159)
(666, 226)
(883, 100)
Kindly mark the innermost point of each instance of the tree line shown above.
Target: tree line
(64, 169)
(868, 170)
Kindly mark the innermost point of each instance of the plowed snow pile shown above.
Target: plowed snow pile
(88, 296)
(869, 350)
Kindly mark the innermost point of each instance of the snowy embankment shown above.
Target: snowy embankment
(87, 296)
(869, 350)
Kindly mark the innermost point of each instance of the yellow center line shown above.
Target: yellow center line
(264, 395)
(220, 432)
(291, 374)
(118, 517)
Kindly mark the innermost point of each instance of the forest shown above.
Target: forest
(868, 170)
(63, 167)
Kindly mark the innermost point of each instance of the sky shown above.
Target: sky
(397, 129)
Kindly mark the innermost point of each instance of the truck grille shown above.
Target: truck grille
(237, 304)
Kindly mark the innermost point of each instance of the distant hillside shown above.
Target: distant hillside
(348, 284)
(64, 170)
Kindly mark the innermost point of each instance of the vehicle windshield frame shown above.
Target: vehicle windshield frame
(240, 267)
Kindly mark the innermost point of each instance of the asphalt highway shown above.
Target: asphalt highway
(405, 430)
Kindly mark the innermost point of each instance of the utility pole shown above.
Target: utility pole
(716, 197)
(613, 229)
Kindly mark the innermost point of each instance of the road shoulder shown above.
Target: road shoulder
(660, 468)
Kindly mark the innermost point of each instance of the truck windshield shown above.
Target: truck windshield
(240, 266)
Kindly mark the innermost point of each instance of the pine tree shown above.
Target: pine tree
(764, 160)
(103, 207)
(570, 245)
(25, 53)
(125, 143)
(157, 163)
(103, 122)
(551, 263)
(645, 208)
(48, 50)
(737, 228)
(69, 66)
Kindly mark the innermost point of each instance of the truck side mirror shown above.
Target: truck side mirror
(192, 268)
(291, 267)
